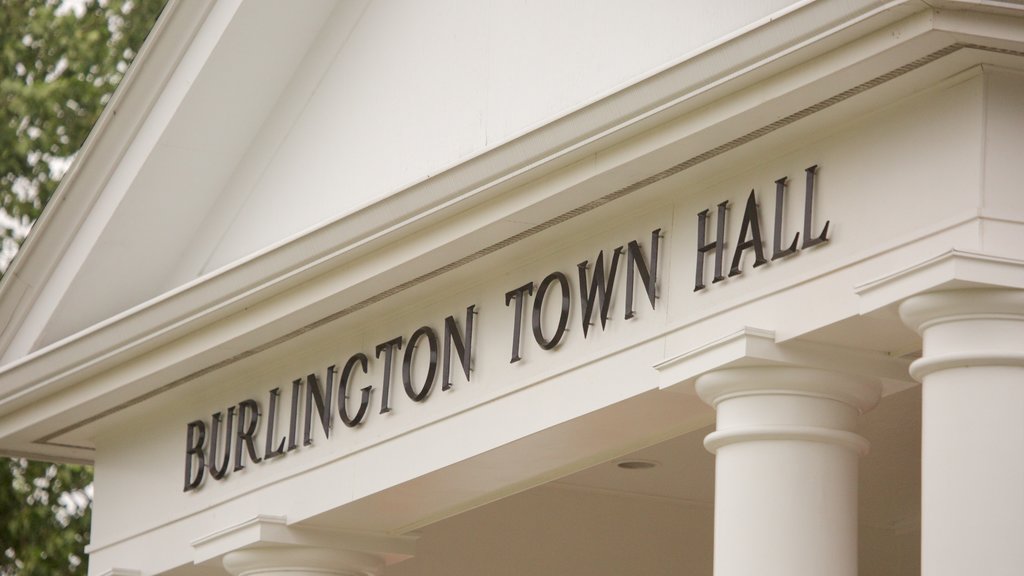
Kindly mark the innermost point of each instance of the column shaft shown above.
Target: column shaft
(972, 445)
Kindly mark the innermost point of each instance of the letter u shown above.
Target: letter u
(219, 470)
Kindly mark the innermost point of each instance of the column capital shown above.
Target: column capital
(966, 327)
(716, 386)
(300, 561)
(929, 308)
(779, 402)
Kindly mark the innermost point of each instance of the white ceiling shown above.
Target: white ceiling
(608, 521)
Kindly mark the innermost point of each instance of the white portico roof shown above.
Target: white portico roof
(194, 211)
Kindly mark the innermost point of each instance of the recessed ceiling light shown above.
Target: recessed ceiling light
(636, 464)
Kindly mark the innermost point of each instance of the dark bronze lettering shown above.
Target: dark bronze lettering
(410, 351)
(219, 470)
(388, 348)
(364, 400)
(777, 251)
(249, 413)
(463, 347)
(293, 422)
(750, 222)
(207, 449)
(600, 288)
(317, 398)
(808, 212)
(269, 451)
(703, 247)
(648, 276)
(538, 311)
(195, 437)
(519, 295)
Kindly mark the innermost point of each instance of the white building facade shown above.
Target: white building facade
(423, 288)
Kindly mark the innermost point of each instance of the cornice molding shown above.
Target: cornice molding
(271, 530)
(950, 270)
(666, 94)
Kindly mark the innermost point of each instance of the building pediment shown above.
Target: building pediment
(532, 236)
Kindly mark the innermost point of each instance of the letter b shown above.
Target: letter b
(195, 442)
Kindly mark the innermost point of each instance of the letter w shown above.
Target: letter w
(600, 286)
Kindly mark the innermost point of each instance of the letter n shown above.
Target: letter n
(463, 347)
(648, 276)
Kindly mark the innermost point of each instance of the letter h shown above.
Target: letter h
(703, 247)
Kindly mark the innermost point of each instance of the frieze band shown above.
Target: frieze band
(228, 441)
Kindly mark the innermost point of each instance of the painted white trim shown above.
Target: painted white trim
(951, 269)
(755, 346)
(208, 300)
(270, 529)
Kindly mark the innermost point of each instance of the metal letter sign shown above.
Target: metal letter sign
(209, 445)
(750, 226)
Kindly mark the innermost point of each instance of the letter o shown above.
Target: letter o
(538, 310)
(410, 350)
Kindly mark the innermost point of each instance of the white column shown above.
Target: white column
(972, 448)
(300, 561)
(786, 469)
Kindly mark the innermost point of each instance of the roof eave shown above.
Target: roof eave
(127, 109)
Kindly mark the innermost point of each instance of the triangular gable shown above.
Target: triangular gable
(266, 122)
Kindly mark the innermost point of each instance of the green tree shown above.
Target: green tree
(60, 61)
(44, 517)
